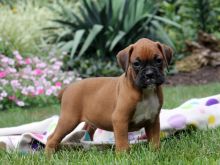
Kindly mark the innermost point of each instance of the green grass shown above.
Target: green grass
(197, 147)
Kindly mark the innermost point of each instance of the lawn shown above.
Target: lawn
(197, 147)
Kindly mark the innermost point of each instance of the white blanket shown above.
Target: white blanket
(200, 113)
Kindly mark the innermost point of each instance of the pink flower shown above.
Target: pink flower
(40, 91)
(27, 61)
(3, 74)
(17, 55)
(58, 84)
(38, 72)
(13, 98)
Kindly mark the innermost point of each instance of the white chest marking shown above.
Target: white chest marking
(146, 109)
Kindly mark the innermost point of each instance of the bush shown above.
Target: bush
(98, 30)
(95, 67)
(193, 16)
(21, 28)
(31, 81)
(201, 15)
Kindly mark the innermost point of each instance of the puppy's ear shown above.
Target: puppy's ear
(167, 53)
(123, 58)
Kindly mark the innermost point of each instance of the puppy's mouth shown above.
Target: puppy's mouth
(144, 83)
(149, 83)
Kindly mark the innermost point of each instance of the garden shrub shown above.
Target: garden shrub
(21, 28)
(192, 16)
(98, 30)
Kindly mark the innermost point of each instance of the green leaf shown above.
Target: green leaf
(67, 46)
(123, 12)
(92, 11)
(163, 35)
(109, 10)
(76, 41)
(86, 17)
(64, 34)
(62, 22)
(92, 34)
(119, 36)
(166, 21)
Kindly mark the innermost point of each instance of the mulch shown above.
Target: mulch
(203, 75)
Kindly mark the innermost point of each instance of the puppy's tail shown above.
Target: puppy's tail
(60, 94)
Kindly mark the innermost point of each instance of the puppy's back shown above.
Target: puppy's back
(89, 90)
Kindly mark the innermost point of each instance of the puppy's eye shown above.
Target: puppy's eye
(159, 61)
(136, 64)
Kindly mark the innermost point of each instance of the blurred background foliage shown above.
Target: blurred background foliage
(93, 31)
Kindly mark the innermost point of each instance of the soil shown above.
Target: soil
(203, 75)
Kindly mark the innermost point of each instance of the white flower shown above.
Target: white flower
(64, 53)
(5, 60)
(39, 87)
(12, 70)
(4, 82)
(4, 94)
(11, 62)
(56, 67)
(41, 65)
(30, 89)
(20, 103)
(66, 81)
(78, 78)
(53, 59)
(15, 83)
(50, 72)
(24, 91)
(54, 79)
(49, 92)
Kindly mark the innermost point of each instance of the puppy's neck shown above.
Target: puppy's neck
(148, 91)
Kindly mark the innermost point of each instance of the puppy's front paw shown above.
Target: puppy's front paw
(122, 148)
(49, 151)
(154, 146)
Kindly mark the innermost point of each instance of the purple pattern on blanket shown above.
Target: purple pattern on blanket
(177, 121)
(212, 102)
(34, 146)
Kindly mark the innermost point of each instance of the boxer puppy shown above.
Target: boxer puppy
(120, 104)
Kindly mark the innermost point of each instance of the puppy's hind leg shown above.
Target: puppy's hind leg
(65, 125)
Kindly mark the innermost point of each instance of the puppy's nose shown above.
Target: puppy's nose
(149, 74)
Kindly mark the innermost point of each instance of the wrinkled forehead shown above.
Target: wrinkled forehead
(145, 49)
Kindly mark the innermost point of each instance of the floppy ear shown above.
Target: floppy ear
(123, 58)
(167, 53)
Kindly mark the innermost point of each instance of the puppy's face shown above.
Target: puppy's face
(144, 62)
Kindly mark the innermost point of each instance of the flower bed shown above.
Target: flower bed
(31, 81)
